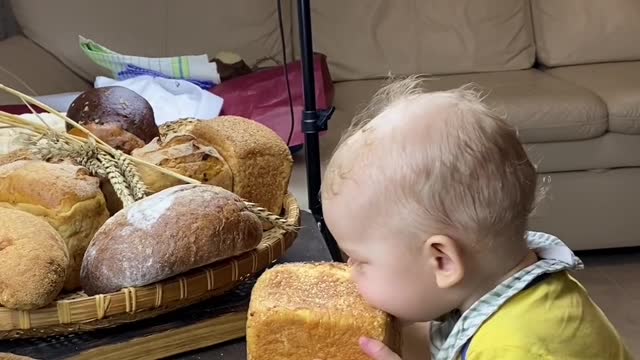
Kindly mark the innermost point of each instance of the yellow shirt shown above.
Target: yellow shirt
(555, 320)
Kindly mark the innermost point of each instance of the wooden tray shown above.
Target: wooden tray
(78, 312)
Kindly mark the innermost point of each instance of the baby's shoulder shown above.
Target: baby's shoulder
(547, 317)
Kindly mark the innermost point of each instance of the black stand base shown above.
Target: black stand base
(313, 121)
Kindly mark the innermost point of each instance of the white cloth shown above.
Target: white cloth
(170, 99)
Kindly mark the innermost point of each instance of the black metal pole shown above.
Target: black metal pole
(312, 124)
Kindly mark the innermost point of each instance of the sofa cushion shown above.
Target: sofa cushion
(370, 39)
(570, 32)
(608, 151)
(591, 209)
(30, 69)
(618, 84)
(541, 107)
(153, 28)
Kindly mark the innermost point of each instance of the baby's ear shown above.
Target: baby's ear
(445, 260)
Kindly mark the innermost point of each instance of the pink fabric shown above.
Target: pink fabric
(19, 109)
(262, 96)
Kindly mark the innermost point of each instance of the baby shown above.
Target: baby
(429, 194)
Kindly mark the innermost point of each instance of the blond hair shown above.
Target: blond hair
(465, 174)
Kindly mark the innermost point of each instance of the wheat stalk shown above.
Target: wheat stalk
(117, 179)
(85, 154)
(136, 186)
(97, 162)
(268, 216)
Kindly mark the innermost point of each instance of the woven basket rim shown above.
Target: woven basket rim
(81, 312)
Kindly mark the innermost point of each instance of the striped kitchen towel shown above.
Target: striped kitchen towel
(192, 67)
(132, 71)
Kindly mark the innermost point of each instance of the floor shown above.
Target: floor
(611, 277)
(613, 281)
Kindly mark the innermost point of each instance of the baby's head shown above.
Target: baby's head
(429, 195)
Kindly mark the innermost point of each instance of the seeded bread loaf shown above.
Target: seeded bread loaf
(317, 312)
(259, 160)
(64, 195)
(33, 261)
(166, 234)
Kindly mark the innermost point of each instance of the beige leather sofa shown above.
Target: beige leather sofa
(565, 72)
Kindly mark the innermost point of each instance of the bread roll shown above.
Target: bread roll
(184, 154)
(259, 160)
(168, 233)
(308, 311)
(33, 261)
(65, 195)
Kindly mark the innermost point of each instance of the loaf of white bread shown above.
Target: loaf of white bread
(33, 261)
(166, 234)
(64, 195)
(308, 311)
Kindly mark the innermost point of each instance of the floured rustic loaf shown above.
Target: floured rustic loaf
(186, 155)
(166, 234)
(33, 261)
(65, 195)
(259, 160)
(308, 311)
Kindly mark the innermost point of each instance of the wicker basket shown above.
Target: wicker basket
(79, 312)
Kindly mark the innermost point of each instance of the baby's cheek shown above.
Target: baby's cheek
(372, 293)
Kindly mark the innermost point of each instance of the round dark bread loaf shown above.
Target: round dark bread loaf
(166, 234)
(115, 104)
